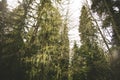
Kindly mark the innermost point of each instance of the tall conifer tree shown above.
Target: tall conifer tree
(92, 59)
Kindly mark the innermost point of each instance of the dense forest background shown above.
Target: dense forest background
(34, 43)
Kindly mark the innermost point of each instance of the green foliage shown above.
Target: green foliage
(50, 47)
(111, 12)
(89, 61)
(87, 29)
(11, 47)
(34, 44)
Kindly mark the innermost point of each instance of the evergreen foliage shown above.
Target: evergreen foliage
(89, 59)
(34, 43)
(111, 12)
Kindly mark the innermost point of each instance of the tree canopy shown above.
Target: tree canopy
(35, 45)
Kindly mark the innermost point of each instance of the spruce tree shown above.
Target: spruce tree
(92, 59)
(64, 51)
(48, 40)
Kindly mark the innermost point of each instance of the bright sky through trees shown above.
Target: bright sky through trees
(74, 11)
(59, 39)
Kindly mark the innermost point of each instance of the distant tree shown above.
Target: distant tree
(64, 50)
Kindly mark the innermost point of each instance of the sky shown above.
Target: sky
(12, 3)
(74, 10)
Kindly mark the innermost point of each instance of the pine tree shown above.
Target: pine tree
(48, 40)
(110, 11)
(11, 46)
(64, 51)
(92, 59)
(76, 62)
